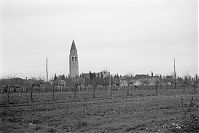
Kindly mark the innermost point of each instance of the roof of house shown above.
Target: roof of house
(140, 76)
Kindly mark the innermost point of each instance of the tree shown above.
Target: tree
(55, 77)
(75, 90)
(93, 81)
(53, 85)
(8, 91)
(185, 83)
(101, 75)
(156, 87)
(129, 83)
(34, 84)
(195, 83)
(63, 77)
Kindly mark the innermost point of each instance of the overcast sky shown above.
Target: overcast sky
(122, 36)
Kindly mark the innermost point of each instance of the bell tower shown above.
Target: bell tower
(73, 61)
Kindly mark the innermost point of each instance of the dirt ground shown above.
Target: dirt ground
(111, 114)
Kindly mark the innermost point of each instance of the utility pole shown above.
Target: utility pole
(174, 74)
(46, 69)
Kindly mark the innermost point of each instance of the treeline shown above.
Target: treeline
(92, 82)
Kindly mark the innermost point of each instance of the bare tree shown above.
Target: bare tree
(53, 87)
(184, 86)
(74, 89)
(94, 89)
(105, 83)
(130, 83)
(8, 92)
(195, 83)
(156, 87)
(35, 84)
(191, 106)
(93, 82)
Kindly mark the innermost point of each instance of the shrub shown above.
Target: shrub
(191, 123)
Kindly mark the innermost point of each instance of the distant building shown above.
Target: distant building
(85, 75)
(146, 79)
(73, 62)
(169, 78)
(141, 76)
(102, 74)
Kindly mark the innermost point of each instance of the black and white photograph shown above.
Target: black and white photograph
(99, 66)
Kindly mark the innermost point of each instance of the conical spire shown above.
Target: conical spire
(73, 50)
(73, 45)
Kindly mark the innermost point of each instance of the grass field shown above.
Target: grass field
(142, 111)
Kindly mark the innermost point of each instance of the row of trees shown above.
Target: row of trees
(91, 81)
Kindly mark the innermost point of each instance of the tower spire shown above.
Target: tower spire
(73, 45)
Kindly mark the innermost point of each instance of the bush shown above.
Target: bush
(191, 123)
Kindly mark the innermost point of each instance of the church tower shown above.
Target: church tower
(73, 61)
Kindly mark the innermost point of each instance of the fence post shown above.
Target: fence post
(156, 88)
(194, 86)
(53, 91)
(8, 91)
(184, 88)
(128, 88)
(31, 91)
(172, 86)
(94, 89)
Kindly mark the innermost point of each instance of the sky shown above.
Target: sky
(121, 36)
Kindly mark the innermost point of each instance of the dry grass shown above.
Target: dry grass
(142, 111)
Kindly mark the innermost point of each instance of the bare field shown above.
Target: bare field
(142, 111)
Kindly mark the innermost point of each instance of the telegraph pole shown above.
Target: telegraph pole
(174, 74)
(46, 69)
